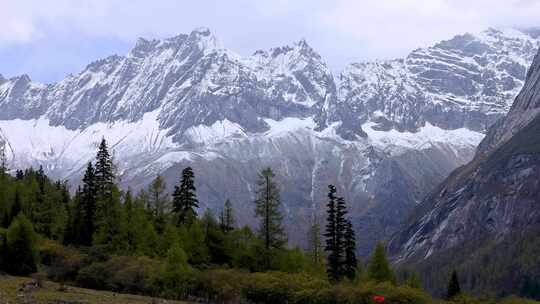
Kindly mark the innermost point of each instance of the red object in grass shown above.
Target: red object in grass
(378, 299)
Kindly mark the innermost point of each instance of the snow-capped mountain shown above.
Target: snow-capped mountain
(489, 205)
(385, 132)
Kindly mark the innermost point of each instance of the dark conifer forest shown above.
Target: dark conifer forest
(154, 243)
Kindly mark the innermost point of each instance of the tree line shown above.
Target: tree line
(103, 222)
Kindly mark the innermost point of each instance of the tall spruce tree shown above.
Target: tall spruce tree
(341, 226)
(453, 286)
(86, 208)
(267, 206)
(104, 172)
(226, 217)
(109, 219)
(185, 200)
(379, 268)
(332, 245)
(350, 251)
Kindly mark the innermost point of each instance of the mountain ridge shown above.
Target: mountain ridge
(490, 203)
(387, 133)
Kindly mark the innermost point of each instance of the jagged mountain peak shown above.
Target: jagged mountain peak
(490, 201)
(185, 99)
(298, 49)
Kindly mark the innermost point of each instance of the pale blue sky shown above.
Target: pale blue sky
(48, 39)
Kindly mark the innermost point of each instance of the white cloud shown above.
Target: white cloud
(390, 27)
(342, 30)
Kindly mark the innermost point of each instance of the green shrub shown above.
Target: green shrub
(220, 285)
(121, 274)
(61, 263)
(279, 287)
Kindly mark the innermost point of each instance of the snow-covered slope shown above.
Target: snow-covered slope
(385, 132)
(467, 81)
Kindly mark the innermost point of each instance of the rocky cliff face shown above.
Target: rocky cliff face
(492, 200)
(385, 132)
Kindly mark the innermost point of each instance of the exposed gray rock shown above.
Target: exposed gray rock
(187, 100)
(494, 195)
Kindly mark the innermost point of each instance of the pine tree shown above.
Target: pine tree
(85, 210)
(185, 200)
(104, 172)
(350, 251)
(315, 244)
(111, 226)
(334, 235)
(453, 286)
(379, 268)
(109, 218)
(226, 217)
(19, 175)
(341, 227)
(267, 206)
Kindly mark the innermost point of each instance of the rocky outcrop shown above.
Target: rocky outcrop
(492, 200)
(386, 132)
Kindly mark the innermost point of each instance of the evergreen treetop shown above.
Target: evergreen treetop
(185, 202)
(104, 172)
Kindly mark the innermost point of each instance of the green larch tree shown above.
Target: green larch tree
(267, 205)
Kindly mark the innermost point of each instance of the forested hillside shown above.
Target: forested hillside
(155, 243)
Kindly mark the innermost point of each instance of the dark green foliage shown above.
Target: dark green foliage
(21, 247)
(195, 245)
(104, 173)
(50, 213)
(185, 200)
(332, 247)
(83, 213)
(340, 239)
(111, 225)
(501, 268)
(453, 286)
(350, 251)
(267, 209)
(4, 250)
(141, 236)
(379, 268)
(136, 245)
(16, 207)
(121, 274)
